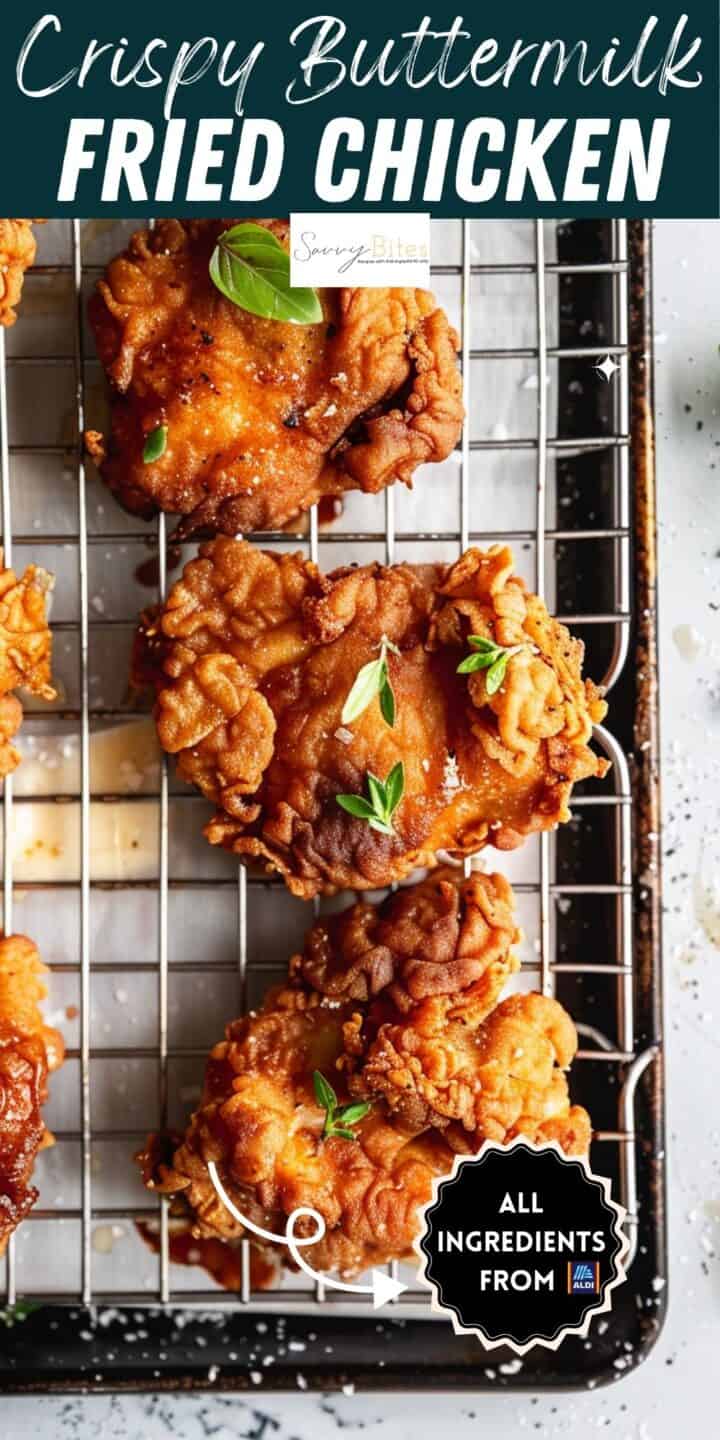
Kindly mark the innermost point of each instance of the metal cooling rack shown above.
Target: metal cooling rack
(608, 1047)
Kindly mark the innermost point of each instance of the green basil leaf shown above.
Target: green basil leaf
(356, 805)
(250, 268)
(353, 1114)
(250, 234)
(387, 704)
(155, 444)
(324, 1093)
(471, 663)
(496, 675)
(395, 787)
(368, 682)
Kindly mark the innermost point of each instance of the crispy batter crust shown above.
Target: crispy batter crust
(253, 657)
(25, 651)
(29, 1049)
(398, 1005)
(17, 254)
(264, 418)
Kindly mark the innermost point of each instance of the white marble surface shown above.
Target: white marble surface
(678, 1380)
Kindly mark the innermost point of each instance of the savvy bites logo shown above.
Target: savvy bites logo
(360, 250)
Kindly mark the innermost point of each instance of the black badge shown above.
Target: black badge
(522, 1245)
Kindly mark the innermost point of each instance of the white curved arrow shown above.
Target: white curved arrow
(383, 1287)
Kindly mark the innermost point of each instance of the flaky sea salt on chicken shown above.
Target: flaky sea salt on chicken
(348, 727)
(396, 1008)
(17, 254)
(25, 651)
(29, 1050)
(262, 418)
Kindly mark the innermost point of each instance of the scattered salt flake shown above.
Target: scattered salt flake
(511, 1367)
(256, 1377)
(330, 411)
(98, 604)
(343, 735)
(451, 775)
(104, 1238)
(688, 641)
(301, 1382)
(213, 1372)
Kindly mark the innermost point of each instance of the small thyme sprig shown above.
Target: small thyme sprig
(385, 796)
(338, 1118)
(491, 657)
(373, 679)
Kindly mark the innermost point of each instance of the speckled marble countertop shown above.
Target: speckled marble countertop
(678, 1380)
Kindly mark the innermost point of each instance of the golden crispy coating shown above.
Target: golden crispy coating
(17, 254)
(253, 657)
(396, 1005)
(29, 1049)
(25, 651)
(264, 418)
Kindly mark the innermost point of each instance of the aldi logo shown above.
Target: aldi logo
(583, 1277)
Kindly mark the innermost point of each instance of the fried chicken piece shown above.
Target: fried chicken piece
(25, 651)
(29, 1049)
(17, 254)
(263, 417)
(253, 658)
(397, 1005)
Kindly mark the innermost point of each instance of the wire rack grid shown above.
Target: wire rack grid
(539, 538)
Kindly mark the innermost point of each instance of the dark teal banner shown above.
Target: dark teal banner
(518, 109)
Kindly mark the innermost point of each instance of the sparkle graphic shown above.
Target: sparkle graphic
(606, 368)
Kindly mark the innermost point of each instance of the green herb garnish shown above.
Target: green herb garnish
(155, 444)
(385, 796)
(250, 267)
(338, 1118)
(11, 1314)
(491, 657)
(373, 679)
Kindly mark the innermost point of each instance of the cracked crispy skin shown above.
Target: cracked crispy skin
(17, 254)
(29, 1049)
(397, 1004)
(253, 657)
(25, 651)
(264, 418)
